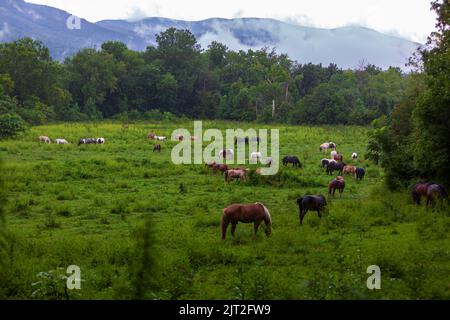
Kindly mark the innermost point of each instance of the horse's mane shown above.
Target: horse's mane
(266, 211)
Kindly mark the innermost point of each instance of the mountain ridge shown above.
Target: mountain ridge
(345, 46)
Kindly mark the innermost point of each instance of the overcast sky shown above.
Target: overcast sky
(411, 19)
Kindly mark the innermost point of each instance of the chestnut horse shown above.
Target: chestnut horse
(337, 184)
(235, 174)
(252, 213)
(349, 170)
(306, 203)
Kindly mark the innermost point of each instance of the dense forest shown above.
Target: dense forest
(178, 78)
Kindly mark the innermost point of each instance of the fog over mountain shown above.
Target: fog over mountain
(345, 46)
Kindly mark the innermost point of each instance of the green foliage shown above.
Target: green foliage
(178, 77)
(11, 125)
(413, 145)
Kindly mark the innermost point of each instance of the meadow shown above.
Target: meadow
(94, 205)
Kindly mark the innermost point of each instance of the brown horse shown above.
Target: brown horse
(419, 190)
(252, 213)
(235, 174)
(435, 193)
(338, 157)
(151, 135)
(337, 184)
(220, 167)
(157, 148)
(349, 170)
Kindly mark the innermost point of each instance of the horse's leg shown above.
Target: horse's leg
(319, 213)
(233, 228)
(225, 223)
(256, 226)
(302, 215)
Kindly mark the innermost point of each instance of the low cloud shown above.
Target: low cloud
(5, 31)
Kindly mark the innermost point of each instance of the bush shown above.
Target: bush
(11, 125)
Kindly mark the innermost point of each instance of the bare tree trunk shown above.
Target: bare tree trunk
(273, 109)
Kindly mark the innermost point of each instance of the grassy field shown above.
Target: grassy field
(90, 205)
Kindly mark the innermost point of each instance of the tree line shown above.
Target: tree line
(412, 143)
(178, 78)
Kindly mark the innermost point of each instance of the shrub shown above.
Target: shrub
(11, 125)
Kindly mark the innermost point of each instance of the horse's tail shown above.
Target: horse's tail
(267, 220)
(224, 224)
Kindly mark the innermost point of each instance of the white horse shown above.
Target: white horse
(61, 141)
(226, 154)
(354, 156)
(255, 155)
(45, 139)
(327, 145)
(160, 138)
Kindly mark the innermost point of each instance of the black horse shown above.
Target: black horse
(293, 160)
(335, 166)
(360, 173)
(316, 203)
(87, 141)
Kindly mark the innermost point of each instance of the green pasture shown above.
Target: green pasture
(88, 205)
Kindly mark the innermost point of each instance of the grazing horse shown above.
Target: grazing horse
(100, 140)
(354, 156)
(335, 166)
(226, 154)
(338, 157)
(252, 213)
(220, 167)
(160, 138)
(87, 141)
(327, 146)
(179, 137)
(151, 135)
(334, 153)
(349, 170)
(61, 141)
(247, 140)
(45, 139)
(256, 156)
(293, 160)
(419, 190)
(436, 192)
(306, 203)
(326, 162)
(235, 174)
(338, 184)
(360, 173)
(157, 148)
